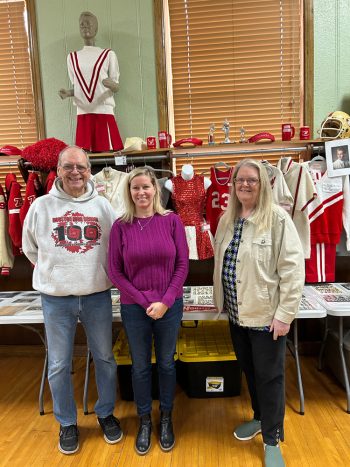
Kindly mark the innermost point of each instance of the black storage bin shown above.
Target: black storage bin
(207, 365)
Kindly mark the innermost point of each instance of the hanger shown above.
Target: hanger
(160, 170)
(130, 164)
(219, 164)
(106, 169)
(319, 157)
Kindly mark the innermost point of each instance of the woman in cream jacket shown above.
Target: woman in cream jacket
(258, 282)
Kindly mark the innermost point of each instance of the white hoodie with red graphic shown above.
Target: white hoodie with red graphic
(66, 239)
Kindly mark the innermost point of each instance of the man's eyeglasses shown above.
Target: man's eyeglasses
(248, 181)
(70, 167)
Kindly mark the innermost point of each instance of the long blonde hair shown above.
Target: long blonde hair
(262, 215)
(129, 213)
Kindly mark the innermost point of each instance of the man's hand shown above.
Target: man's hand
(156, 310)
(279, 328)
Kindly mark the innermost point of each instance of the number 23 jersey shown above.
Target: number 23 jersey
(217, 196)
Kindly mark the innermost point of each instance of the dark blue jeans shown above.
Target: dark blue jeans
(139, 329)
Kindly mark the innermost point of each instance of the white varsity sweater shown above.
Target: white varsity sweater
(302, 189)
(86, 69)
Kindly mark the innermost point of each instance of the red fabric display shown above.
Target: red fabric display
(43, 155)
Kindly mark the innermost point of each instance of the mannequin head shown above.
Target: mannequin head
(187, 171)
(88, 26)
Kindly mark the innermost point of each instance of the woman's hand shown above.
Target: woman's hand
(156, 310)
(279, 328)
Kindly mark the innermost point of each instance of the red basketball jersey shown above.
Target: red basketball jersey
(217, 195)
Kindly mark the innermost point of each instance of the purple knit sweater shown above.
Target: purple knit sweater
(149, 265)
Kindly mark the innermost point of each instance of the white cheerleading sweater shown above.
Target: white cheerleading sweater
(86, 69)
(280, 191)
(302, 189)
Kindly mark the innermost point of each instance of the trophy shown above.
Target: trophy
(211, 137)
(242, 139)
(226, 129)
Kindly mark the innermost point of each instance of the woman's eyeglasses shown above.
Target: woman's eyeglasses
(248, 181)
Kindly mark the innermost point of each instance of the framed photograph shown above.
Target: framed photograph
(338, 157)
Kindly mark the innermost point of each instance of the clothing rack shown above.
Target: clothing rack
(9, 163)
(246, 151)
(145, 158)
(129, 159)
(104, 160)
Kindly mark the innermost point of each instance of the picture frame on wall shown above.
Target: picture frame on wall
(338, 157)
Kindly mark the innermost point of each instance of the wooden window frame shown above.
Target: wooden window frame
(163, 110)
(35, 78)
(34, 61)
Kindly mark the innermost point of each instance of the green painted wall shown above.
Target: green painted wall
(124, 26)
(127, 27)
(332, 58)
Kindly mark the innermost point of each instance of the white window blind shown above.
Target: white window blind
(240, 60)
(18, 124)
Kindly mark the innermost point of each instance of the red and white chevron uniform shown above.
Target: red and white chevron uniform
(97, 128)
(328, 213)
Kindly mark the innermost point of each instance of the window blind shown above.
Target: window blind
(18, 124)
(236, 60)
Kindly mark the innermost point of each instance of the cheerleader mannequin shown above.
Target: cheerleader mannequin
(93, 91)
(187, 173)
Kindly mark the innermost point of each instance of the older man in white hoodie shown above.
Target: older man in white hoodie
(65, 236)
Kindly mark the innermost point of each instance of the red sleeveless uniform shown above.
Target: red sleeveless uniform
(189, 198)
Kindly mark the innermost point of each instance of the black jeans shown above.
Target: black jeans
(263, 362)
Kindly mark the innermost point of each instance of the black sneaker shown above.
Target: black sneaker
(68, 443)
(111, 428)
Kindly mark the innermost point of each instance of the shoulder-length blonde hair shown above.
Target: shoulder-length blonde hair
(129, 213)
(262, 215)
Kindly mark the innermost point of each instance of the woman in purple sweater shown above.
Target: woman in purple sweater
(148, 263)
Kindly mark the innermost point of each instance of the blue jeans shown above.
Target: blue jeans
(139, 329)
(61, 315)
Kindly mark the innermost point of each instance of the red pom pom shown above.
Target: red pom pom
(43, 155)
